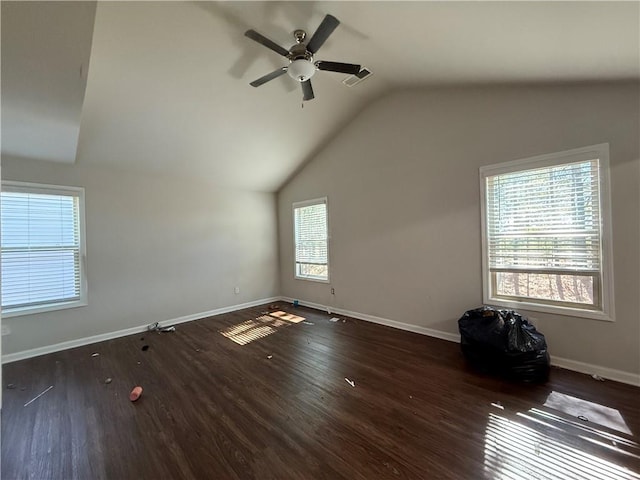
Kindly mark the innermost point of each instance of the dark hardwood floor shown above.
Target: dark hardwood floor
(269, 400)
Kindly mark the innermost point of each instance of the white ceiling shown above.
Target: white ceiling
(168, 83)
(45, 59)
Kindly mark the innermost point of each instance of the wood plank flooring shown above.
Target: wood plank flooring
(279, 407)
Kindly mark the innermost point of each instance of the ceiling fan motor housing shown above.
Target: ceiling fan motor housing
(301, 66)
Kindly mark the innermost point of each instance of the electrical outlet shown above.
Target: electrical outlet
(236, 290)
(6, 330)
(333, 291)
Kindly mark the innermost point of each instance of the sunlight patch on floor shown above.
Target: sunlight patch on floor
(585, 431)
(289, 317)
(514, 450)
(593, 412)
(260, 327)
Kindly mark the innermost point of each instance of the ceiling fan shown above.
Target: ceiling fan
(301, 65)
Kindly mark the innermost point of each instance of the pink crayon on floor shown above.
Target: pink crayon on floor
(135, 393)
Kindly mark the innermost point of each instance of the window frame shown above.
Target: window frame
(307, 203)
(606, 289)
(47, 189)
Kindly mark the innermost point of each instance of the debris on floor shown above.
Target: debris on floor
(350, 382)
(274, 306)
(498, 405)
(95, 354)
(145, 348)
(135, 393)
(155, 327)
(334, 319)
(308, 323)
(38, 396)
(597, 377)
(108, 380)
(392, 468)
(10, 386)
(269, 357)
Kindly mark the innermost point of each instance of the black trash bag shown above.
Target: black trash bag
(531, 367)
(503, 342)
(521, 335)
(484, 326)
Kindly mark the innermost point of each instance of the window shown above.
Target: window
(42, 248)
(546, 233)
(311, 249)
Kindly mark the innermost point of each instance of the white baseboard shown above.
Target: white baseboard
(604, 372)
(451, 337)
(581, 367)
(35, 352)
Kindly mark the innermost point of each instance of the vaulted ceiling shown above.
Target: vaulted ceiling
(164, 86)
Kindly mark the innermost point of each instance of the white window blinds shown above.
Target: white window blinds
(545, 219)
(546, 233)
(310, 225)
(41, 247)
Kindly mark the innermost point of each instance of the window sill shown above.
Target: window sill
(19, 312)
(311, 279)
(552, 309)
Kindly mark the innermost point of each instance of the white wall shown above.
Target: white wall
(404, 205)
(158, 248)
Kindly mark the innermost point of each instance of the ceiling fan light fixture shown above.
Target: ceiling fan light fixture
(301, 70)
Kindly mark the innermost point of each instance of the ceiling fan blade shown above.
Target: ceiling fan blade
(307, 90)
(326, 28)
(338, 67)
(258, 37)
(268, 77)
